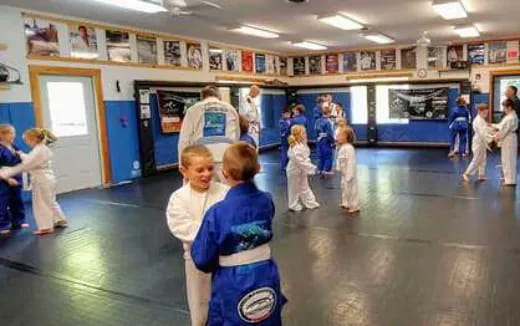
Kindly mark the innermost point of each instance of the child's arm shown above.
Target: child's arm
(350, 164)
(304, 162)
(505, 127)
(341, 161)
(205, 248)
(35, 158)
(181, 224)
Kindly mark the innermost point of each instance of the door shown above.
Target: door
(68, 109)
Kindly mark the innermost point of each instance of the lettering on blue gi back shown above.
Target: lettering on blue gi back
(251, 235)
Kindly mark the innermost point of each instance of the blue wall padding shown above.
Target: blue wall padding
(272, 108)
(166, 145)
(123, 145)
(361, 132)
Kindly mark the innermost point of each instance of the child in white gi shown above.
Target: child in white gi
(185, 212)
(47, 212)
(298, 169)
(346, 165)
(481, 139)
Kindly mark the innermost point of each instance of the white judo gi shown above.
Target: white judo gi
(298, 169)
(47, 212)
(185, 212)
(213, 123)
(346, 165)
(481, 139)
(249, 110)
(508, 143)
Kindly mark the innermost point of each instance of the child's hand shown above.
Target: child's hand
(12, 182)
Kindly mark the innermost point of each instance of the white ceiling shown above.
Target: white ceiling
(404, 20)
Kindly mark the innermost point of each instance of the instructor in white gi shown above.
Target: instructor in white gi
(249, 110)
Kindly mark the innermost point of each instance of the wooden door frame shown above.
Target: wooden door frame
(36, 71)
(492, 75)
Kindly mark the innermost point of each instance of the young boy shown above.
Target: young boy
(244, 133)
(481, 140)
(233, 244)
(185, 211)
(325, 142)
(285, 130)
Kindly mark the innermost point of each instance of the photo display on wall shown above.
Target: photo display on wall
(83, 42)
(277, 65)
(215, 59)
(436, 57)
(476, 54)
(388, 59)
(367, 60)
(247, 61)
(512, 52)
(456, 56)
(231, 60)
(332, 63)
(349, 62)
(315, 65)
(194, 54)
(419, 104)
(270, 64)
(497, 52)
(172, 108)
(408, 58)
(118, 46)
(172, 53)
(41, 36)
(299, 66)
(260, 63)
(283, 66)
(147, 50)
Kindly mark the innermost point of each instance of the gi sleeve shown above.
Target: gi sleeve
(205, 248)
(341, 161)
(284, 129)
(330, 132)
(350, 163)
(303, 161)
(482, 131)
(38, 156)
(182, 225)
(452, 117)
(186, 134)
(506, 127)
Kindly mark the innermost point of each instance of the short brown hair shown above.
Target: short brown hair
(6, 128)
(244, 124)
(300, 108)
(508, 103)
(482, 107)
(349, 134)
(241, 162)
(461, 101)
(326, 110)
(192, 151)
(210, 91)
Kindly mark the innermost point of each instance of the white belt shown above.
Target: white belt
(461, 119)
(246, 257)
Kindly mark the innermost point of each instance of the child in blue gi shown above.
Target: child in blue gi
(244, 133)
(285, 130)
(233, 244)
(298, 117)
(459, 122)
(325, 142)
(12, 213)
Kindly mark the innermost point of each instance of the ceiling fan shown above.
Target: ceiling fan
(182, 8)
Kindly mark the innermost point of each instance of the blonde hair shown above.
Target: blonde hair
(341, 123)
(241, 162)
(297, 135)
(482, 107)
(349, 133)
(6, 128)
(41, 135)
(192, 151)
(326, 110)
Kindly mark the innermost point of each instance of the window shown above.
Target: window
(68, 116)
(504, 83)
(383, 105)
(359, 105)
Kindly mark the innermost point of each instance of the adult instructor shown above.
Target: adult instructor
(512, 94)
(210, 122)
(249, 110)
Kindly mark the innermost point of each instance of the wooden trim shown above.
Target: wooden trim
(36, 71)
(492, 75)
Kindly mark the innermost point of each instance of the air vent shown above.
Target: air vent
(297, 1)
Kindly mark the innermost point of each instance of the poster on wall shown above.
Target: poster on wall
(215, 59)
(277, 65)
(118, 46)
(299, 66)
(231, 60)
(367, 60)
(408, 58)
(476, 54)
(194, 55)
(83, 42)
(172, 53)
(260, 63)
(436, 57)
(315, 65)
(512, 52)
(497, 52)
(247, 61)
(332, 63)
(388, 59)
(283, 66)
(172, 108)
(147, 50)
(41, 36)
(269, 64)
(349, 62)
(419, 104)
(456, 57)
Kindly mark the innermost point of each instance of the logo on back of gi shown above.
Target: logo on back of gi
(258, 305)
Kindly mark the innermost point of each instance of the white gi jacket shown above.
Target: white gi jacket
(509, 146)
(249, 110)
(346, 165)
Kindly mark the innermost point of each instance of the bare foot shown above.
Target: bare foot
(43, 231)
(5, 232)
(62, 224)
(465, 178)
(451, 155)
(354, 210)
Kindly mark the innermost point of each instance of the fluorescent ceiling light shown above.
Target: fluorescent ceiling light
(450, 9)
(341, 21)
(147, 6)
(379, 38)
(467, 31)
(309, 45)
(255, 31)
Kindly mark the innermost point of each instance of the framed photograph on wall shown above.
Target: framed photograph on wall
(283, 66)
(83, 42)
(269, 64)
(41, 36)
(118, 46)
(277, 65)
(409, 58)
(436, 56)
(315, 65)
(216, 59)
(172, 53)
(388, 59)
(172, 108)
(368, 60)
(247, 61)
(147, 50)
(194, 54)
(350, 62)
(512, 51)
(260, 63)
(455, 56)
(332, 63)
(497, 52)
(476, 54)
(299, 66)
(231, 60)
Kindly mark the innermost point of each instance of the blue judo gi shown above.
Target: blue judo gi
(12, 213)
(299, 120)
(317, 112)
(459, 126)
(247, 293)
(285, 131)
(248, 139)
(324, 144)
